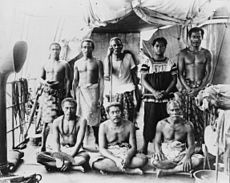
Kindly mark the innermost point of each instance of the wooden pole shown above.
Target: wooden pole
(217, 160)
(111, 77)
(217, 149)
(30, 120)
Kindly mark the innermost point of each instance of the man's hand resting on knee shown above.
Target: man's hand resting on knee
(159, 156)
(187, 166)
(66, 165)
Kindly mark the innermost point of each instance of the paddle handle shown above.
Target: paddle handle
(111, 78)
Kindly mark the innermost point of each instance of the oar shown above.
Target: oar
(217, 149)
(111, 80)
(30, 120)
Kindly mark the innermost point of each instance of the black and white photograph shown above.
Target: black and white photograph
(118, 91)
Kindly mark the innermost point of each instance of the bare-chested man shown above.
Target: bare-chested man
(117, 144)
(55, 80)
(88, 86)
(194, 65)
(68, 135)
(174, 143)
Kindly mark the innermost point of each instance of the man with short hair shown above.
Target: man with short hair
(88, 86)
(55, 83)
(194, 66)
(120, 70)
(159, 78)
(117, 144)
(174, 143)
(68, 135)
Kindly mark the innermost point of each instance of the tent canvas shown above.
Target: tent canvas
(69, 21)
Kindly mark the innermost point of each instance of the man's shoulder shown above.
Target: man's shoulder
(189, 125)
(58, 120)
(124, 122)
(63, 63)
(98, 61)
(80, 119)
(162, 122)
(127, 125)
(79, 61)
(127, 53)
(105, 125)
(184, 121)
(127, 121)
(46, 64)
(183, 51)
(186, 50)
(129, 56)
(206, 51)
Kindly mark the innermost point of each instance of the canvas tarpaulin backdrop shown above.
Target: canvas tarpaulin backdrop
(69, 21)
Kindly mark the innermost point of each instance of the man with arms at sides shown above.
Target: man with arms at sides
(88, 86)
(68, 135)
(55, 82)
(194, 65)
(120, 69)
(117, 144)
(159, 78)
(174, 143)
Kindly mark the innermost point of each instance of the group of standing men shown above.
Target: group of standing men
(88, 87)
(159, 79)
(117, 141)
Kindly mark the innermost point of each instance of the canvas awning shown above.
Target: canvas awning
(69, 21)
(137, 15)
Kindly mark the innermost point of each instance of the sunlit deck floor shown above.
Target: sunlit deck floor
(29, 167)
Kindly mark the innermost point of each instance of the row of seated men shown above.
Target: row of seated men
(159, 78)
(174, 143)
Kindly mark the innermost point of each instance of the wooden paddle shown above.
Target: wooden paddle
(30, 120)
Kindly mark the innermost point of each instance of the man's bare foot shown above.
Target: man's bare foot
(165, 164)
(91, 148)
(79, 168)
(159, 173)
(59, 163)
(102, 172)
(191, 173)
(137, 171)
